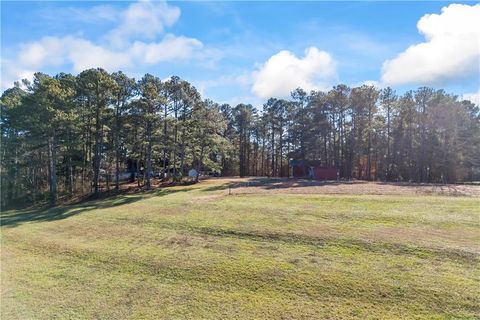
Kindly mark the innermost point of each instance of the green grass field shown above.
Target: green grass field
(195, 252)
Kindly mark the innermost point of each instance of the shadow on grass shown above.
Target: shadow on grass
(266, 183)
(458, 255)
(279, 183)
(14, 218)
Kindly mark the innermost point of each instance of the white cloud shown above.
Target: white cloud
(145, 19)
(48, 50)
(83, 54)
(473, 97)
(284, 72)
(76, 51)
(11, 72)
(170, 48)
(451, 50)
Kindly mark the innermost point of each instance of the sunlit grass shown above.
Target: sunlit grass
(187, 252)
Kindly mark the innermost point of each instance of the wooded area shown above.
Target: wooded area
(69, 135)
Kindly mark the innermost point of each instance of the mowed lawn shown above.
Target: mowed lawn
(196, 252)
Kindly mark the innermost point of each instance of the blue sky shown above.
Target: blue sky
(247, 51)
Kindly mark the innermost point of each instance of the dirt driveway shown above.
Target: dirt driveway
(301, 186)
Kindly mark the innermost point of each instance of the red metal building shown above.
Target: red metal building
(312, 169)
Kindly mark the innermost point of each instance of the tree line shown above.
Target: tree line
(68, 135)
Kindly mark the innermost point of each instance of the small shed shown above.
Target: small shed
(313, 169)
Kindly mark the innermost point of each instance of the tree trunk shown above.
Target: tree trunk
(175, 137)
(165, 141)
(52, 172)
(247, 162)
(369, 146)
(96, 158)
(388, 145)
(117, 148)
(35, 187)
(273, 150)
(200, 162)
(263, 154)
(69, 164)
(183, 150)
(281, 149)
(241, 153)
(138, 173)
(148, 163)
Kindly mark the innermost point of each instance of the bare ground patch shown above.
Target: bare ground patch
(300, 186)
